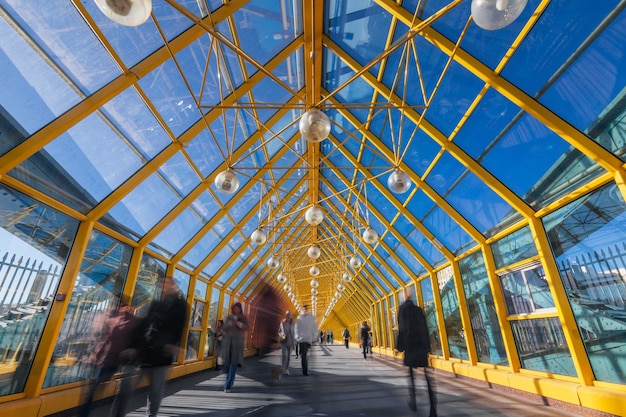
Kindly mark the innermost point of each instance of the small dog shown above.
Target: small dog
(277, 374)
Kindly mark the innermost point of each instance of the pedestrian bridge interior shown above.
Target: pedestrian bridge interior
(329, 153)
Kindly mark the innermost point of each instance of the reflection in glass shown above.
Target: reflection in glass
(587, 238)
(483, 316)
(431, 316)
(514, 248)
(95, 297)
(197, 312)
(542, 347)
(452, 315)
(193, 345)
(34, 245)
(209, 346)
(526, 290)
(149, 284)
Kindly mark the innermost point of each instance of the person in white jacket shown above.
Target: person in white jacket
(306, 333)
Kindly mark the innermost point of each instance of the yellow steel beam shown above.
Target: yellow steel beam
(468, 330)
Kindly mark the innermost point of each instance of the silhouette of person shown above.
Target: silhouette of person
(414, 341)
(233, 344)
(287, 340)
(306, 333)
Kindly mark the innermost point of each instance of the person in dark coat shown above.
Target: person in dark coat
(414, 341)
(365, 338)
(161, 330)
(233, 344)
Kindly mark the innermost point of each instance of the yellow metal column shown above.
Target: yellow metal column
(50, 333)
(561, 302)
(464, 312)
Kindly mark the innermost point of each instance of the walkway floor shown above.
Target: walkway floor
(340, 383)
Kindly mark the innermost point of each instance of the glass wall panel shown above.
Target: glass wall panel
(209, 346)
(526, 290)
(483, 316)
(451, 314)
(193, 345)
(541, 346)
(587, 238)
(34, 246)
(149, 283)
(514, 248)
(431, 316)
(95, 298)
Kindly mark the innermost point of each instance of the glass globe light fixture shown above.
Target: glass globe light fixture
(314, 298)
(126, 12)
(314, 270)
(287, 287)
(370, 236)
(340, 287)
(227, 182)
(337, 294)
(314, 125)
(346, 277)
(314, 215)
(314, 291)
(496, 14)
(282, 278)
(258, 237)
(315, 283)
(399, 182)
(273, 262)
(314, 252)
(355, 262)
(290, 294)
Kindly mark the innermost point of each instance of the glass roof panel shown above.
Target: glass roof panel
(145, 205)
(205, 205)
(236, 263)
(265, 27)
(179, 231)
(33, 92)
(179, 174)
(199, 251)
(409, 260)
(205, 153)
(554, 38)
(425, 247)
(445, 173)
(447, 231)
(475, 201)
(420, 151)
(167, 90)
(218, 260)
(525, 156)
(171, 21)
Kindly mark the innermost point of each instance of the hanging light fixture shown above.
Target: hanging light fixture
(126, 12)
(314, 298)
(227, 182)
(346, 277)
(273, 262)
(314, 271)
(314, 125)
(370, 236)
(399, 182)
(314, 215)
(282, 278)
(287, 288)
(315, 283)
(340, 287)
(314, 252)
(314, 291)
(258, 237)
(337, 294)
(496, 14)
(355, 262)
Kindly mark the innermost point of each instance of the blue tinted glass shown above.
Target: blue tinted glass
(424, 247)
(179, 231)
(447, 230)
(431, 316)
(516, 247)
(452, 315)
(420, 205)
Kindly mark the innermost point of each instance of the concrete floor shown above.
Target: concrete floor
(340, 383)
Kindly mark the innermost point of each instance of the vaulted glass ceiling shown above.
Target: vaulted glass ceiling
(128, 127)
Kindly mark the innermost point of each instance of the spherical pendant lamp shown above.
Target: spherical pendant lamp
(290, 294)
(314, 252)
(370, 236)
(314, 298)
(314, 125)
(314, 215)
(227, 182)
(340, 287)
(315, 283)
(287, 288)
(314, 291)
(314, 271)
(258, 237)
(496, 14)
(126, 12)
(337, 294)
(282, 278)
(355, 262)
(273, 262)
(399, 182)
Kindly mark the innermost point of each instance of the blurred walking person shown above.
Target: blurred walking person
(233, 344)
(414, 341)
(306, 334)
(365, 337)
(346, 337)
(287, 340)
